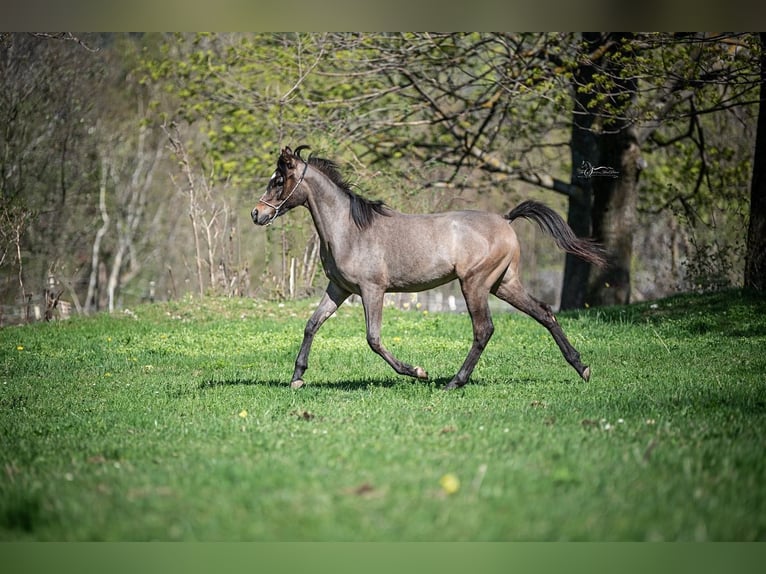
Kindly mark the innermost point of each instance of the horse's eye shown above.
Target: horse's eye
(277, 180)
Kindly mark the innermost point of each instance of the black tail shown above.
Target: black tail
(552, 223)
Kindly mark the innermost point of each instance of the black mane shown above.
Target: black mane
(363, 211)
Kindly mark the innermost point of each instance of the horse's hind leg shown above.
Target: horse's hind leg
(514, 293)
(372, 300)
(332, 299)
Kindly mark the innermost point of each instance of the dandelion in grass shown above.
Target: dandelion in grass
(450, 483)
(243, 414)
(19, 347)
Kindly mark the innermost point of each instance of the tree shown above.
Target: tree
(77, 171)
(603, 134)
(755, 266)
(698, 111)
(45, 168)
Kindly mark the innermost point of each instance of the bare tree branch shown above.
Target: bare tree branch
(64, 36)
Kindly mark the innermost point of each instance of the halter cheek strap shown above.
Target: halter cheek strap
(276, 208)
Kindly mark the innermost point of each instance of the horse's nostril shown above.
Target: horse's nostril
(254, 214)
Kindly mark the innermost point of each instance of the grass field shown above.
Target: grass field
(176, 422)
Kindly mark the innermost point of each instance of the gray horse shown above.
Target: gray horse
(369, 249)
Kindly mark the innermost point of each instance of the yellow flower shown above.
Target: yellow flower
(449, 483)
(20, 348)
(243, 413)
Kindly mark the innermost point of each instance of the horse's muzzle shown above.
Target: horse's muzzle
(261, 218)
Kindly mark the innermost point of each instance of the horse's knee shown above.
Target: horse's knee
(483, 333)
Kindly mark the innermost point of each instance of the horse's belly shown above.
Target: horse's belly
(420, 285)
(392, 271)
(430, 269)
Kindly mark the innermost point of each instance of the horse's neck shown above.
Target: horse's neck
(330, 209)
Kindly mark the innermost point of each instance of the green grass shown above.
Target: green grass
(176, 422)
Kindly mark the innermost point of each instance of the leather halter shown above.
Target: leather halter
(276, 208)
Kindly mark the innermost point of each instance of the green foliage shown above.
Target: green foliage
(253, 94)
(704, 182)
(365, 93)
(176, 422)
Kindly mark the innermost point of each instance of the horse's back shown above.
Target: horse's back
(449, 227)
(464, 220)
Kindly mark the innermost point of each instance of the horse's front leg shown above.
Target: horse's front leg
(372, 301)
(481, 320)
(332, 299)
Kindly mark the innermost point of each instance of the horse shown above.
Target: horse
(369, 249)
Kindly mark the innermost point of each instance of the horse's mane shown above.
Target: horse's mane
(363, 211)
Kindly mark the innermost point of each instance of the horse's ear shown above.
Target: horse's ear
(287, 156)
(298, 151)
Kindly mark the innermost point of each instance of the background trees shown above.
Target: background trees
(79, 159)
(45, 167)
(755, 266)
(130, 162)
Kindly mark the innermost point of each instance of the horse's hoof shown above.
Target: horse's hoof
(420, 373)
(296, 384)
(586, 374)
(452, 385)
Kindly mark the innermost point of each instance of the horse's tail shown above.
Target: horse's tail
(552, 223)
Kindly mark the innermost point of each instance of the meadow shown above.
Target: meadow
(175, 421)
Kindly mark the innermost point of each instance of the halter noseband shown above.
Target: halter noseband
(276, 208)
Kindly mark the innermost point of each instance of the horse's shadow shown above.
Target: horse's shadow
(344, 385)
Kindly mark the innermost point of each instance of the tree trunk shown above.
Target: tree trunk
(755, 258)
(583, 148)
(113, 282)
(615, 217)
(606, 208)
(92, 298)
(576, 271)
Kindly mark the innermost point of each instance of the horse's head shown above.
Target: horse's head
(282, 193)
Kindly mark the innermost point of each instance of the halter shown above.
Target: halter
(276, 208)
